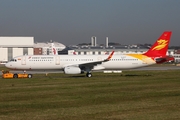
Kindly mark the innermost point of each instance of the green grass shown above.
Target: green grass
(134, 95)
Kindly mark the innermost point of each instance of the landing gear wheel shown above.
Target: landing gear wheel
(88, 75)
(29, 75)
(15, 76)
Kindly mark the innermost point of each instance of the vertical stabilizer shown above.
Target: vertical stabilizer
(160, 47)
(54, 51)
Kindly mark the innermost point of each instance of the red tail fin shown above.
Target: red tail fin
(160, 47)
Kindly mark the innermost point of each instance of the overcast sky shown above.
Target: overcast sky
(75, 21)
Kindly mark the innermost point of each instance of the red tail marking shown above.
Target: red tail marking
(54, 51)
(160, 47)
(110, 56)
(74, 53)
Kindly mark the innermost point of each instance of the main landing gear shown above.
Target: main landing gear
(88, 74)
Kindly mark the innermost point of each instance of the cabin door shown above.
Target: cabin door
(57, 60)
(23, 60)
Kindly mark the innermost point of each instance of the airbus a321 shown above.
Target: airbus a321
(78, 64)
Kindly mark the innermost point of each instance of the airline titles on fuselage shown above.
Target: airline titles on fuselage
(41, 58)
(75, 59)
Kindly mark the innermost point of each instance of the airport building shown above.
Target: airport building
(15, 46)
(118, 50)
(94, 49)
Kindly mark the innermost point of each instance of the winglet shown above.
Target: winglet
(110, 56)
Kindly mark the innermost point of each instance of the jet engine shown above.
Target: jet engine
(72, 70)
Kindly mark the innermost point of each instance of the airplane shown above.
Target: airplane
(78, 64)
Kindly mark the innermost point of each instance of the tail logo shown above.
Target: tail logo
(161, 44)
(54, 51)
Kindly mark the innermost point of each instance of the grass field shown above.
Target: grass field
(134, 95)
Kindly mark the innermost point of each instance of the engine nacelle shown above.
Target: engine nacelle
(72, 70)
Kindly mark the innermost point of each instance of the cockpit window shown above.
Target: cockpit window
(13, 60)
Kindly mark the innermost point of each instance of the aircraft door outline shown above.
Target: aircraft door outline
(23, 60)
(57, 60)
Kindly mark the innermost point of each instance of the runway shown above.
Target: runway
(159, 68)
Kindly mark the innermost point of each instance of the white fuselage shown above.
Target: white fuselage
(59, 62)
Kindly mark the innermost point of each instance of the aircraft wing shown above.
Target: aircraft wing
(90, 65)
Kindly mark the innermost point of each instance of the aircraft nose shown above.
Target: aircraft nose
(7, 65)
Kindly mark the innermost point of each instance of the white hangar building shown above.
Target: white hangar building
(14, 46)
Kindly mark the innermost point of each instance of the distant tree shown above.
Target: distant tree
(84, 44)
(113, 44)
